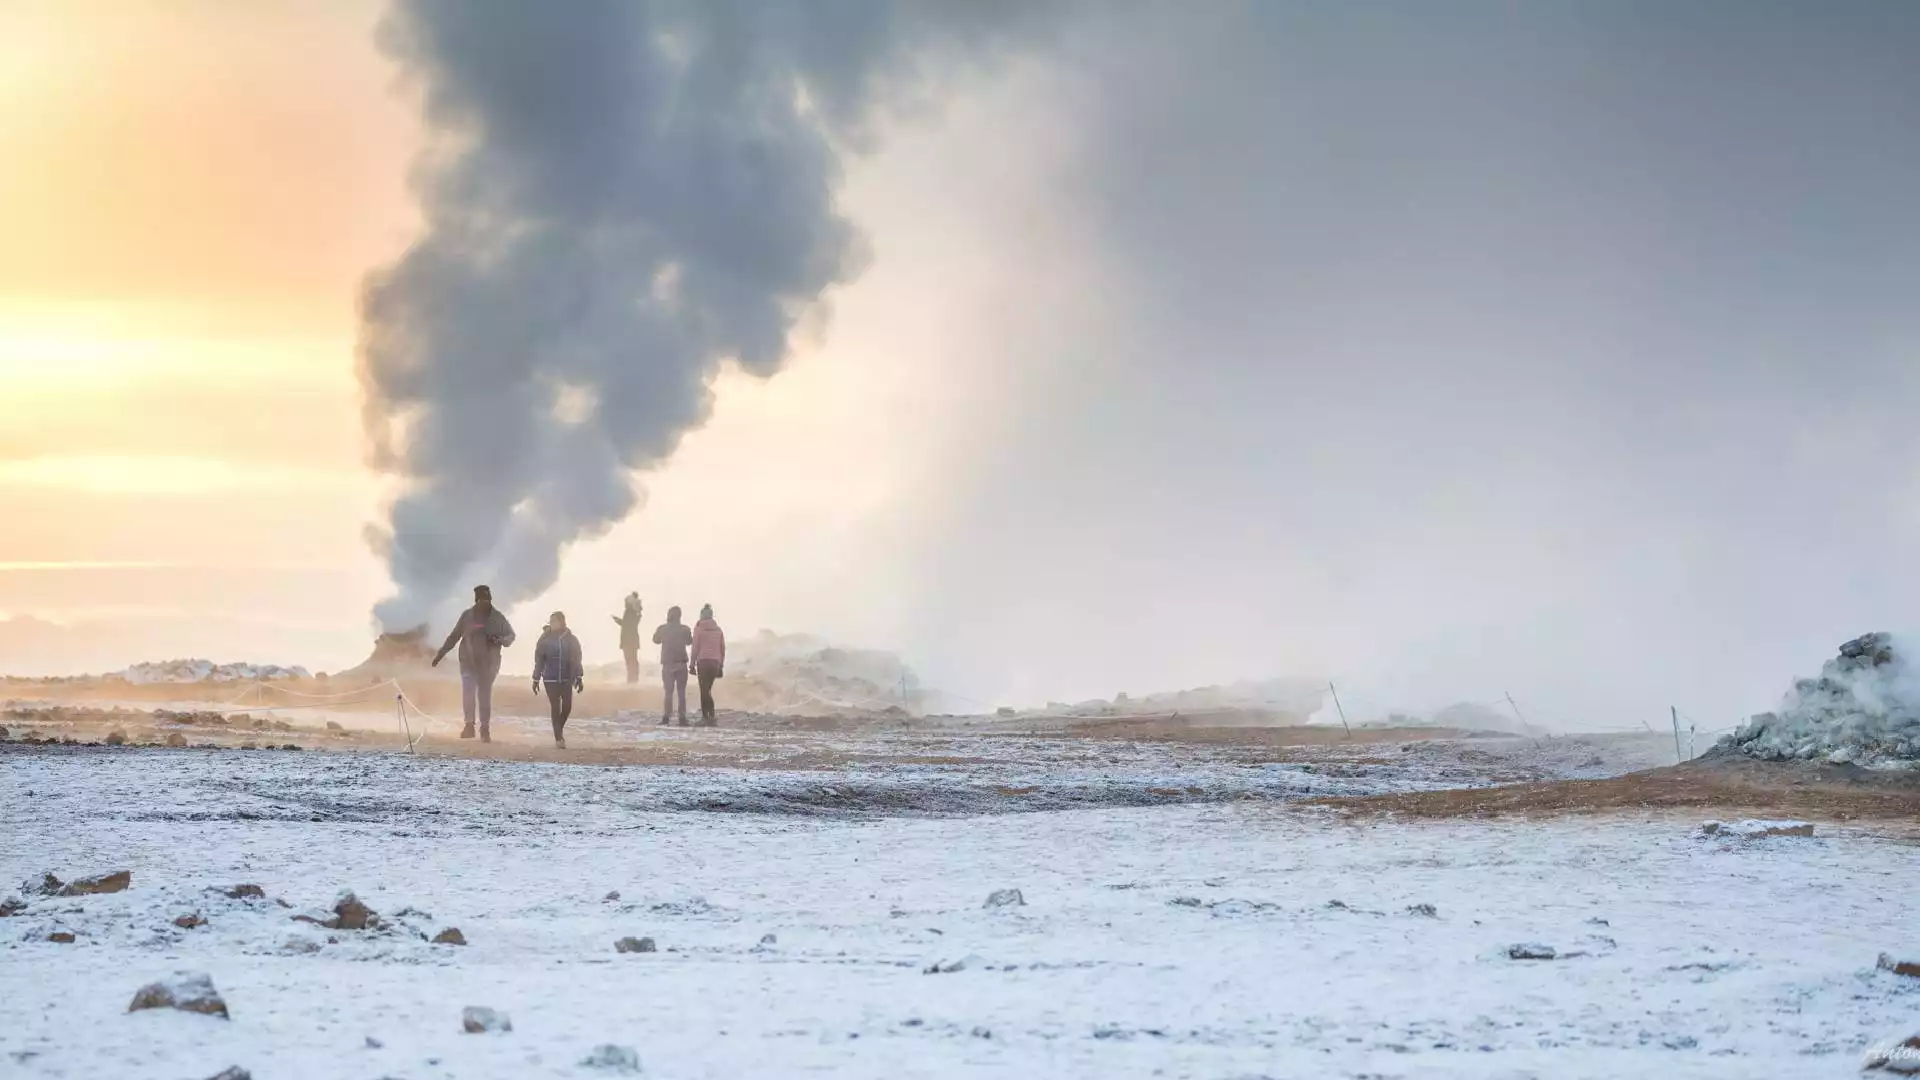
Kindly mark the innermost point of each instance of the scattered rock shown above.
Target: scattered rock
(450, 936)
(188, 991)
(249, 746)
(1753, 829)
(948, 967)
(1336, 905)
(1185, 901)
(375, 1044)
(1531, 952)
(612, 897)
(1425, 911)
(1005, 898)
(350, 914)
(475, 1019)
(235, 1073)
(1598, 922)
(767, 941)
(116, 737)
(12, 906)
(246, 892)
(633, 944)
(1901, 1058)
(176, 740)
(1899, 966)
(61, 937)
(620, 1059)
(99, 883)
(44, 885)
(189, 921)
(982, 1033)
(299, 946)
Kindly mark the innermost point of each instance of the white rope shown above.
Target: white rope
(317, 701)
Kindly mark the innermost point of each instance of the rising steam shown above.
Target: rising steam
(618, 196)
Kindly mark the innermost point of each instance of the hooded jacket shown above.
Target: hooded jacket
(481, 637)
(709, 642)
(556, 657)
(629, 621)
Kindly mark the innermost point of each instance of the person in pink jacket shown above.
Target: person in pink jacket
(709, 660)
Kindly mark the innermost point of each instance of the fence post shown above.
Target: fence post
(1674, 711)
(1341, 708)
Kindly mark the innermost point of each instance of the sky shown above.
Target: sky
(1444, 351)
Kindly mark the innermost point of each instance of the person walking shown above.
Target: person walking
(481, 633)
(709, 659)
(629, 622)
(673, 637)
(556, 662)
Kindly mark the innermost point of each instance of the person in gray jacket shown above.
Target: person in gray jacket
(674, 638)
(481, 633)
(556, 662)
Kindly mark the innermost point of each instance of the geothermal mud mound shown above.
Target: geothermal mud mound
(1863, 709)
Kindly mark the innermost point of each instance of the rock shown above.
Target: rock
(1752, 829)
(176, 740)
(61, 937)
(612, 897)
(334, 728)
(234, 1073)
(620, 1059)
(189, 921)
(12, 906)
(1899, 966)
(99, 883)
(1186, 901)
(375, 1044)
(948, 967)
(3, 732)
(188, 991)
(450, 936)
(632, 944)
(44, 885)
(1899, 1057)
(1531, 952)
(246, 892)
(476, 1019)
(350, 914)
(768, 940)
(982, 1033)
(1426, 911)
(249, 746)
(299, 946)
(1005, 898)
(116, 737)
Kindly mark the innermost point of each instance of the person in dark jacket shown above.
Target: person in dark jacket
(481, 633)
(674, 638)
(629, 622)
(556, 662)
(709, 660)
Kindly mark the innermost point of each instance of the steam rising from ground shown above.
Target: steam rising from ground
(619, 197)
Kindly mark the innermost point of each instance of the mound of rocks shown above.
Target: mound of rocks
(1862, 709)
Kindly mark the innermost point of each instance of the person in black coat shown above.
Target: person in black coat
(556, 662)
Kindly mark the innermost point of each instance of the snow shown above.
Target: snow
(1195, 940)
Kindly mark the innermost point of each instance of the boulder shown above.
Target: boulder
(61, 937)
(44, 885)
(12, 906)
(187, 991)
(350, 914)
(1005, 898)
(634, 945)
(1899, 1057)
(1909, 966)
(450, 936)
(478, 1019)
(189, 920)
(246, 892)
(617, 1059)
(99, 883)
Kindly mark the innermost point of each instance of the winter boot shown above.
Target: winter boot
(467, 732)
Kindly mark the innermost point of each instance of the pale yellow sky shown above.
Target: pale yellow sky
(195, 191)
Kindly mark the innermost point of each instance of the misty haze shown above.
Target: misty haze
(921, 519)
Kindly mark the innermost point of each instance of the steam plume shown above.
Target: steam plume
(619, 196)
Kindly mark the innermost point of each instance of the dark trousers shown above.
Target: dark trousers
(709, 671)
(560, 703)
(633, 664)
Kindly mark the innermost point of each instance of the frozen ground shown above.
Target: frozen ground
(1196, 940)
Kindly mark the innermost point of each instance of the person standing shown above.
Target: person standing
(556, 662)
(709, 659)
(674, 637)
(629, 622)
(481, 633)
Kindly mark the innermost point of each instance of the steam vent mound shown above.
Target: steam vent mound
(1864, 709)
(394, 655)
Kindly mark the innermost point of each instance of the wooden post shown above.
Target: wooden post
(1524, 726)
(1341, 708)
(400, 706)
(1674, 711)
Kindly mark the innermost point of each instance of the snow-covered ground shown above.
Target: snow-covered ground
(1174, 941)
